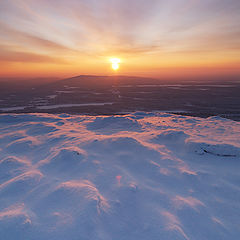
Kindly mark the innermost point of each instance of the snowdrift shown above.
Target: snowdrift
(139, 176)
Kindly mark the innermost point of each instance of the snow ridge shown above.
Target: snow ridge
(138, 176)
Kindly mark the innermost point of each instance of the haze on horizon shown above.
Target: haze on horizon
(156, 38)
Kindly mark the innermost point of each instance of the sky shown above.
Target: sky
(157, 38)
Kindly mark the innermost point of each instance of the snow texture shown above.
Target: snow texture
(134, 177)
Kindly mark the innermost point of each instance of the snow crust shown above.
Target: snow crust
(139, 176)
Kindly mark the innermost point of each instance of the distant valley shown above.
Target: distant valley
(121, 94)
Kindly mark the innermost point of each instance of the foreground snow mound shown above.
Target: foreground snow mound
(139, 176)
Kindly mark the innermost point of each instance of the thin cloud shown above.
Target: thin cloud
(26, 38)
(8, 55)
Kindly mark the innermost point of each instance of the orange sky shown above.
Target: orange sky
(152, 38)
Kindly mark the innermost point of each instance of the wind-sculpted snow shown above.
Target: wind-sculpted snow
(139, 176)
(114, 124)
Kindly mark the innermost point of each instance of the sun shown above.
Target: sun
(115, 63)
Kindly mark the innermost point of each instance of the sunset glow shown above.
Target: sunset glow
(175, 38)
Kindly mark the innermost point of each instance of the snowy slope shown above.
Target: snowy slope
(134, 177)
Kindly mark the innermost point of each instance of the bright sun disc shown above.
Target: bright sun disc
(115, 63)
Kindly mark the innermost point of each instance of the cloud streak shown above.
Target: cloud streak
(8, 55)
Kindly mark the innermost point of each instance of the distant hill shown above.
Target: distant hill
(94, 81)
(102, 81)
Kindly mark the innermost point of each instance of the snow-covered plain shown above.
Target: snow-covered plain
(142, 176)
